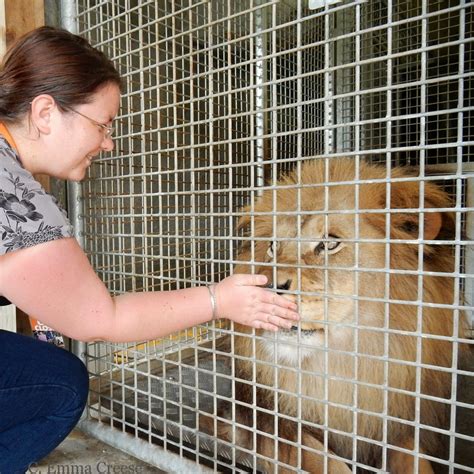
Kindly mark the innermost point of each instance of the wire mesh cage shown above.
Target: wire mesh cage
(328, 145)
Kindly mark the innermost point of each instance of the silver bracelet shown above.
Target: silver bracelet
(213, 302)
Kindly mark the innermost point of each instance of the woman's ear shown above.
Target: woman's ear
(42, 107)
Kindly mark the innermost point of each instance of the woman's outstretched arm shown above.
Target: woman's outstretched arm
(55, 283)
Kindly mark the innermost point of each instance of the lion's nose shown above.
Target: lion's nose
(284, 286)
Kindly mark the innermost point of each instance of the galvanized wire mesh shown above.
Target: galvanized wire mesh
(220, 99)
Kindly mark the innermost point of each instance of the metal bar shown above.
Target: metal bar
(152, 454)
(74, 190)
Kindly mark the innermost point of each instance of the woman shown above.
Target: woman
(58, 99)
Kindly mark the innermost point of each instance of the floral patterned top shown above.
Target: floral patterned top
(28, 214)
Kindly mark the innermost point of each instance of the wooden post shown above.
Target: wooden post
(22, 16)
(16, 18)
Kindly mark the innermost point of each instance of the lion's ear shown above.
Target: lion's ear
(405, 225)
(432, 224)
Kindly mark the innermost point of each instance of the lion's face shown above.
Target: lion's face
(312, 261)
(326, 248)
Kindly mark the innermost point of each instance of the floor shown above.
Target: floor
(80, 453)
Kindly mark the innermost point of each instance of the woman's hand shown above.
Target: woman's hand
(239, 300)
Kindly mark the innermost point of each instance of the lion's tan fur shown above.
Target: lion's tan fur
(380, 325)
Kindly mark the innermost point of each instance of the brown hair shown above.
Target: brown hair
(51, 61)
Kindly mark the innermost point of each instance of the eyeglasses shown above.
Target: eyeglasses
(108, 131)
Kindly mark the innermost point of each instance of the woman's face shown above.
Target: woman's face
(80, 135)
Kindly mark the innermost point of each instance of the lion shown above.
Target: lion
(371, 358)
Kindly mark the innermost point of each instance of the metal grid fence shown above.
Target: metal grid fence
(222, 99)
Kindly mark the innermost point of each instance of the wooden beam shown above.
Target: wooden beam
(22, 16)
(3, 29)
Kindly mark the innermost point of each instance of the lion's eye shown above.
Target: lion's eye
(329, 244)
(271, 249)
(332, 245)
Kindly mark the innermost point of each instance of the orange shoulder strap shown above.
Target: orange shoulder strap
(4, 131)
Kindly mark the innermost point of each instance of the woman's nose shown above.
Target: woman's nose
(107, 144)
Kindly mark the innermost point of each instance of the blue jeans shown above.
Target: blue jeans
(43, 391)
